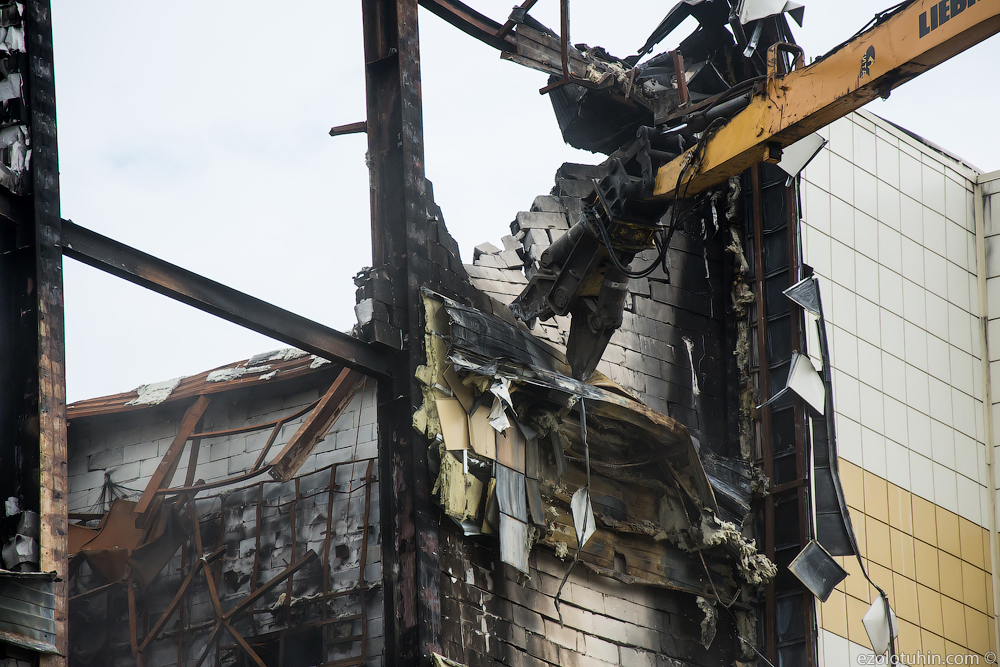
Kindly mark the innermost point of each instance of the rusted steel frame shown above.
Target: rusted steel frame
(267, 446)
(180, 611)
(364, 532)
(681, 75)
(350, 128)
(168, 464)
(801, 470)
(326, 541)
(563, 49)
(254, 427)
(253, 597)
(133, 628)
(794, 484)
(213, 591)
(327, 596)
(256, 552)
(314, 428)
(509, 25)
(765, 414)
(94, 591)
(242, 643)
(217, 299)
(344, 662)
(195, 488)
(178, 598)
(293, 530)
(471, 22)
(200, 550)
(192, 462)
(363, 564)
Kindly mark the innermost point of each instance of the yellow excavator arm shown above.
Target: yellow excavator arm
(792, 105)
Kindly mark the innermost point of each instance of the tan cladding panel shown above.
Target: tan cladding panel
(933, 564)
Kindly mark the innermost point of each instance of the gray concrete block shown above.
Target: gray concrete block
(129, 436)
(586, 597)
(637, 658)
(125, 473)
(491, 261)
(612, 630)
(217, 450)
(213, 470)
(602, 650)
(240, 463)
(484, 249)
(547, 204)
(141, 451)
(103, 460)
(540, 220)
(299, 400)
(646, 638)
(510, 259)
(160, 429)
(148, 467)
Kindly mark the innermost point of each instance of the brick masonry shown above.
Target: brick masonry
(673, 330)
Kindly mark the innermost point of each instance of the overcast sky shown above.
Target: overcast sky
(201, 137)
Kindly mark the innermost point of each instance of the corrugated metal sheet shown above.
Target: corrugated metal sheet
(27, 610)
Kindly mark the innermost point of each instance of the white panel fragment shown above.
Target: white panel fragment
(227, 374)
(317, 362)
(155, 393)
(285, 354)
(514, 542)
(804, 381)
(12, 40)
(501, 389)
(753, 10)
(583, 515)
(364, 311)
(498, 416)
(795, 158)
(10, 88)
(878, 625)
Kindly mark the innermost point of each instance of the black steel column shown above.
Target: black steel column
(400, 248)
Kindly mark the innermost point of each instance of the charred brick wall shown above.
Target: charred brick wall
(493, 615)
(500, 617)
(672, 349)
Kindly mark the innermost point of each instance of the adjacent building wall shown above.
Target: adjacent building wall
(889, 227)
(127, 447)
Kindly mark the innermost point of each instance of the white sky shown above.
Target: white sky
(201, 137)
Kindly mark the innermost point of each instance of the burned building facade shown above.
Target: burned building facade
(603, 442)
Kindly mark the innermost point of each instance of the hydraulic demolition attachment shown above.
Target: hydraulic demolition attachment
(746, 99)
(585, 272)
